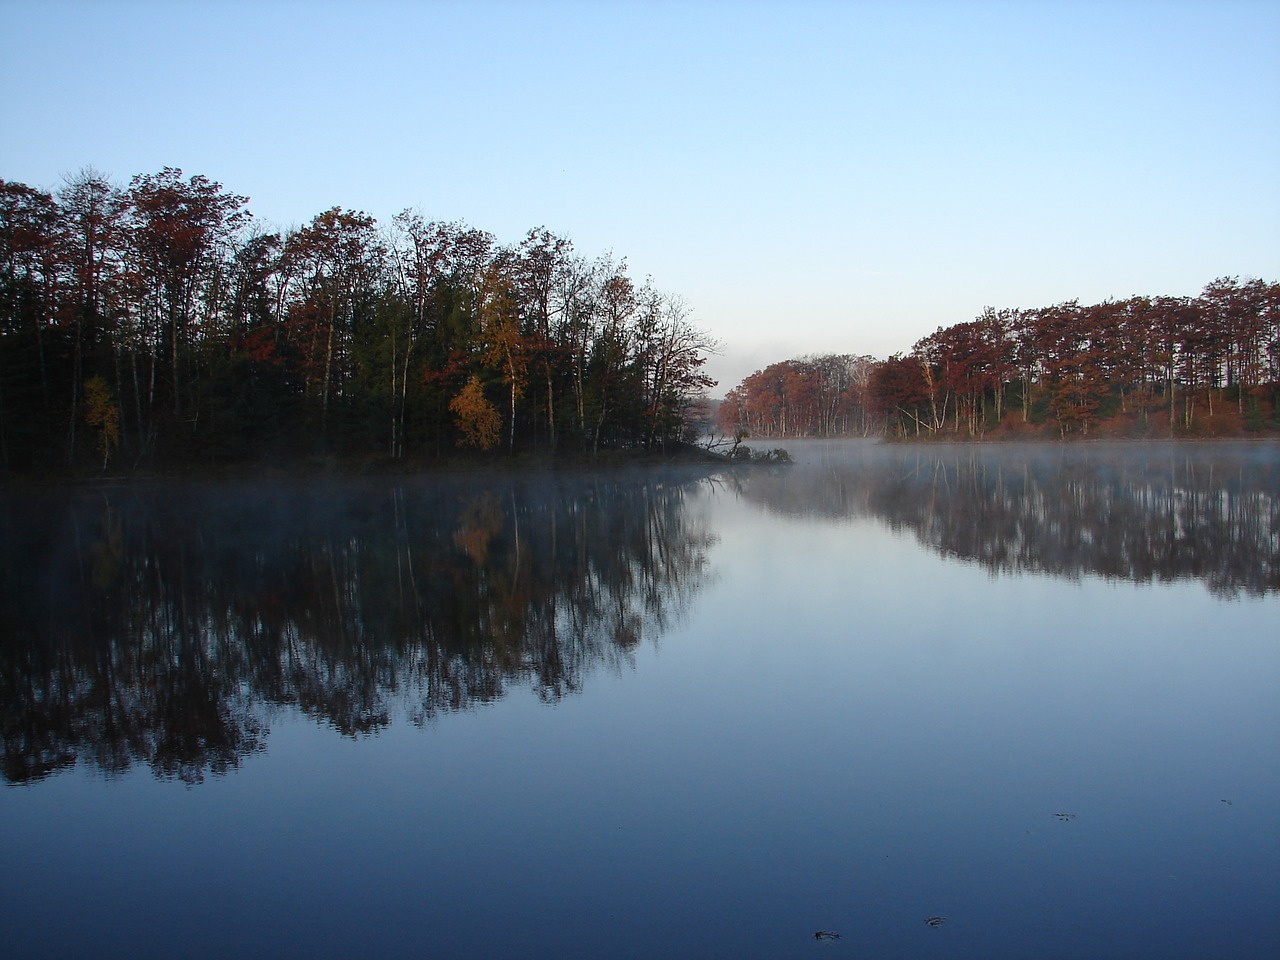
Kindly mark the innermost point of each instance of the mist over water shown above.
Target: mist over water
(653, 713)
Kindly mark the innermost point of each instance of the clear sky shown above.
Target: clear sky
(809, 177)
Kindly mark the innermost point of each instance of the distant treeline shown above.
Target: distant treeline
(1145, 366)
(161, 323)
(816, 396)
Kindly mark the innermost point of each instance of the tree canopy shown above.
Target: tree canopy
(161, 323)
(1144, 366)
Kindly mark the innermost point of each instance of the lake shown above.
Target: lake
(945, 701)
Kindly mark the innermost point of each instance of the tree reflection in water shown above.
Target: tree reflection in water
(160, 624)
(1135, 512)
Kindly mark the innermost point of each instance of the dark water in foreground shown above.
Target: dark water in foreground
(1032, 690)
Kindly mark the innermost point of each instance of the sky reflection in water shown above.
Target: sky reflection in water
(709, 719)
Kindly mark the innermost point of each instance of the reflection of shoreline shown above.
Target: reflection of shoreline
(1143, 513)
(157, 624)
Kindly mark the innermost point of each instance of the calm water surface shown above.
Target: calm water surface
(1033, 690)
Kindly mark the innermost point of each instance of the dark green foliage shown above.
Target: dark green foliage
(222, 344)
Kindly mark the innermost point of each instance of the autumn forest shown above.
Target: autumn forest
(160, 324)
(1141, 367)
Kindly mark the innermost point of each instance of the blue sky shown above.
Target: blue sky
(808, 177)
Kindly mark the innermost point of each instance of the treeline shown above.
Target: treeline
(1146, 366)
(162, 323)
(816, 396)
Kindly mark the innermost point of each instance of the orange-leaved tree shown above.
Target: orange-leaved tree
(477, 418)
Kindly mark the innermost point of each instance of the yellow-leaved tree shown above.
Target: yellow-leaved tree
(101, 413)
(477, 418)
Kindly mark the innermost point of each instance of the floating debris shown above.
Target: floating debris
(1227, 802)
(826, 935)
(1065, 816)
(934, 921)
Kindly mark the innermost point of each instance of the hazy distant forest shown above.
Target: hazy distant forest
(1142, 367)
(160, 324)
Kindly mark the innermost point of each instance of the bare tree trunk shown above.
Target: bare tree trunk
(394, 411)
(173, 350)
(551, 408)
(328, 368)
(404, 404)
